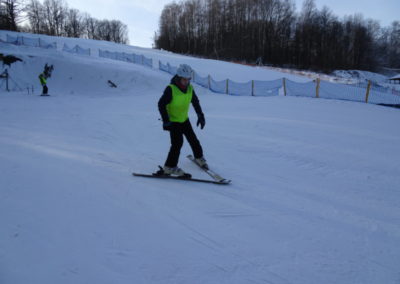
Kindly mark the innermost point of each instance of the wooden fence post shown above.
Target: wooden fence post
(367, 93)
(284, 86)
(317, 88)
(252, 87)
(7, 76)
(209, 82)
(227, 86)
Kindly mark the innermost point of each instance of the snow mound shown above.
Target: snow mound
(360, 76)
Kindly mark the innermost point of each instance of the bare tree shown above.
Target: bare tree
(118, 32)
(55, 13)
(103, 30)
(35, 14)
(53, 17)
(169, 27)
(394, 45)
(10, 14)
(89, 26)
(74, 24)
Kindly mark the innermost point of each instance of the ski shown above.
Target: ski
(177, 178)
(211, 173)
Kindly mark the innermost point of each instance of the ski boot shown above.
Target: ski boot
(202, 163)
(173, 171)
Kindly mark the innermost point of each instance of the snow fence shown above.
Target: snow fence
(250, 88)
(366, 92)
(127, 57)
(77, 50)
(33, 42)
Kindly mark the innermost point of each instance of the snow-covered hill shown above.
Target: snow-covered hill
(314, 196)
(360, 76)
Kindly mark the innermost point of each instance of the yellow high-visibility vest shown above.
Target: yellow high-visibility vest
(42, 79)
(178, 108)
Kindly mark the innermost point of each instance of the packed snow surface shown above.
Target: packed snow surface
(314, 196)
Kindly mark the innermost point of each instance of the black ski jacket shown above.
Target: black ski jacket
(166, 98)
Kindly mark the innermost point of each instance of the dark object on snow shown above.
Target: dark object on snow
(111, 84)
(9, 59)
(390, 105)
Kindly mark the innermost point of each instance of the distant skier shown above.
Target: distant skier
(174, 108)
(43, 82)
(43, 78)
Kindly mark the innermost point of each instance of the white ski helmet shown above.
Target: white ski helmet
(184, 71)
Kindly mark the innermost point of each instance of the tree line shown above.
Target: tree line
(55, 18)
(272, 32)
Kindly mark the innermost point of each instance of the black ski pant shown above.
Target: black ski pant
(45, 90)
(177, 131)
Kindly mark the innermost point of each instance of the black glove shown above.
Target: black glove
(201, 121)
(167, 125)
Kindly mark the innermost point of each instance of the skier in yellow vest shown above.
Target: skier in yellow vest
(43, 82)
(43, 78)
(174, 109)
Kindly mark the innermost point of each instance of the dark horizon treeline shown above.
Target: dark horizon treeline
(55, 18)
(272, 32)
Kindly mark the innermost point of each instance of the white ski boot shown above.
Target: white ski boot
(175, 171)
(202, 162)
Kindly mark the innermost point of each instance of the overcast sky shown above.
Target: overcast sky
(142, 16)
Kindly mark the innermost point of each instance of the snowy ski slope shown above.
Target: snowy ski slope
(314, 196)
